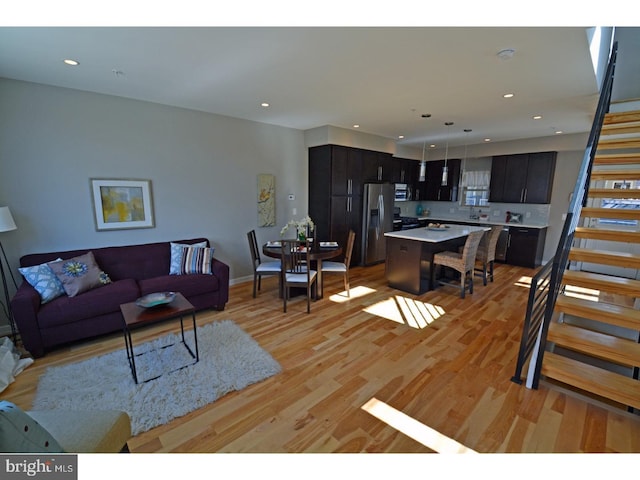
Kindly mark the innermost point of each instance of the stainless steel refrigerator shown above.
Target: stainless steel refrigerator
(377, 218)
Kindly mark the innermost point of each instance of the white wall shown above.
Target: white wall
(203, 170)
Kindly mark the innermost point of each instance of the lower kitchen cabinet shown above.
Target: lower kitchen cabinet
(525, 246)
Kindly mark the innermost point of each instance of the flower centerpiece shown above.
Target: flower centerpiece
(303, 227)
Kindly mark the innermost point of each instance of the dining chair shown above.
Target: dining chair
(341, 267)
(462, 262)
(486, 255)
(261, 268)
(295, 261)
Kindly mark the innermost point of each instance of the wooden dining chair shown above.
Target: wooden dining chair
(261, 268)
(462, 262)
(342, 267)
(296, 273)
(486, 255)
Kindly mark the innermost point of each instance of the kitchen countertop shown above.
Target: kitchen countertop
(444, 219)
(423, 234)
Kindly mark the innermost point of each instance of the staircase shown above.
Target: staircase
(592, 342)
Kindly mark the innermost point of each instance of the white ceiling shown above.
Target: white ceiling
(382, 78)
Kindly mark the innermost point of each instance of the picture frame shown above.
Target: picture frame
(122, 203)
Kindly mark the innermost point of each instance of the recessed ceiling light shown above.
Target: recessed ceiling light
(264, 104)
(71, 62)
(433, 145)
(400, 136)
(558, 132)
(356, 126)
(537, 117)
(508, 95)
(487, 139)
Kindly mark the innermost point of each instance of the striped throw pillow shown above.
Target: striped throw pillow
(196, 260)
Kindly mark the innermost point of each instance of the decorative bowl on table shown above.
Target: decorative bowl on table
(156, 299)
(438, 227)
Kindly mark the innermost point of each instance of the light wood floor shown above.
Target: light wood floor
(429, 369)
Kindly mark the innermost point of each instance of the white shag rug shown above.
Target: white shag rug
(229, 360)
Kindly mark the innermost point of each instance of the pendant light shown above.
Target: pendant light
(445, 169)
(422, 176)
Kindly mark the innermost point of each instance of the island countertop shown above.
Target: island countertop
(425, 234)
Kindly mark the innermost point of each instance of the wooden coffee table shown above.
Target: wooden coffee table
(135, 316)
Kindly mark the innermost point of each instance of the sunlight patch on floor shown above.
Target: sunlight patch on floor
(523, 281)
(414, 313)
(354, 292)
(412, 428)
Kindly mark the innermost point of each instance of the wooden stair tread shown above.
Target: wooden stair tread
(605, 257)
(612, 118)
(618, 213)
(616, 143)
(615, 174)
(598, 281)
(592, 379)
(614, 193)
(600, 345)
(616, 158)
(617, 315)
(620, 128)
(607, 234)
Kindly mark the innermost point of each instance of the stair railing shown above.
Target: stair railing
(547, 282)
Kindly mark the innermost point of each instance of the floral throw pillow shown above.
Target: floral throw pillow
(79, 274)
(42, 278)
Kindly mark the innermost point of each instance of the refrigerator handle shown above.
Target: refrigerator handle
(380, 215)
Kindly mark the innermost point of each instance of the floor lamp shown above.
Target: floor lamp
(6, 225)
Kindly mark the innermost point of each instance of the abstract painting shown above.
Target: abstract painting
(120, 204)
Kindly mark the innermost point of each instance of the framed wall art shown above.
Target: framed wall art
(122, 204)
(266, 200)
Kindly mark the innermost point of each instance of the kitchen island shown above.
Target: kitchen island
(409, 260)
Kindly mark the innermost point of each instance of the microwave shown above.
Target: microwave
(402, 192)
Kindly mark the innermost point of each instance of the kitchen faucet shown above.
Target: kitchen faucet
(472, 214)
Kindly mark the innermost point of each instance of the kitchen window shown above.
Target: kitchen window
(475, 188)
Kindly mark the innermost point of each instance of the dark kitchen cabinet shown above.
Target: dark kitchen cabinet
(433, 189)
(335, 194)
(377, 166)
(522, 178)
(525, 246)
(406, 171)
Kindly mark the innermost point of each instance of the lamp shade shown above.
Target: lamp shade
(6, 220)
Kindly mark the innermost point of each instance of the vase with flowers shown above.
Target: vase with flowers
(303, 228)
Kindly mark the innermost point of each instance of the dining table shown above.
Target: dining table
(319, 251)
(409, 260)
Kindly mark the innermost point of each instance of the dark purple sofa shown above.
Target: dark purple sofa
(135, 270)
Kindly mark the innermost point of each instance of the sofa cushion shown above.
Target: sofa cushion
(79, 274)
(42, 278)
(188, 285)
(177, 252)
(94, 303)
(20, 433)
(196, 260)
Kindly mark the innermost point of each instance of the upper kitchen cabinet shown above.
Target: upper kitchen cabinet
(377, 166)
(522, 178)
(433, 190)
(405, 171)
(339, 167)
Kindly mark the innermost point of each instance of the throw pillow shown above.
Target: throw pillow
(196, 260)
(79, 274)
(176, 256)
(42, 278)
(19, 433)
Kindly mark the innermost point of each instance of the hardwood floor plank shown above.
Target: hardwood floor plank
(442, 361)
